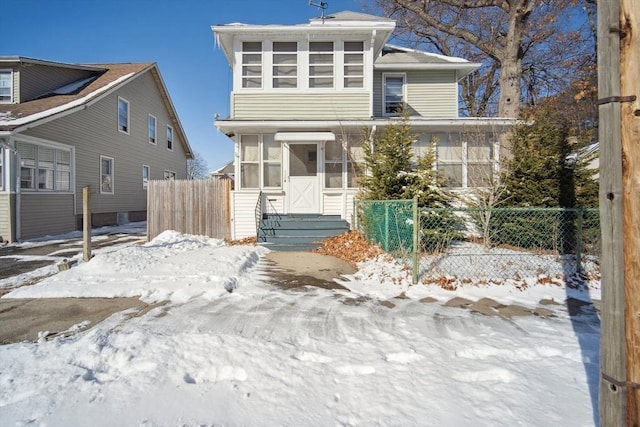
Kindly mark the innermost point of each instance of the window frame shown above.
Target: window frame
(464, 162)
(242, 162)
(244, 78)
(55, 168)
(145, 179)
(403, 102)
(111, 175)
(8, 71)
(264, 161)
(344, 74)
(152, 139)
(321, 53)
(274, 65)
(169, 135)
(170, 175)
(2, 169)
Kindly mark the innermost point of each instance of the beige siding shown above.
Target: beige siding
(243, 217)
(6, 216)
(46, 214)
(36, 80)
(431, 94)
(93, 132)
(300, 106)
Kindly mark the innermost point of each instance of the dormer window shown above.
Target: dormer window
(394, 93)
(252, 65)
(285, 65)
(6, 86)
(320, 64)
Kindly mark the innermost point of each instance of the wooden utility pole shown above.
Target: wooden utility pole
(619, 108)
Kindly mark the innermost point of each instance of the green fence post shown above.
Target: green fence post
(416, 237)
(386, 226)
(579, 242)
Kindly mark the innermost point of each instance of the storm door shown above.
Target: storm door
(304, 186)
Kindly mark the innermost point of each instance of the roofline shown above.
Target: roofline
(469, 66)
(353, 25)
(35, 61)
(229, 125)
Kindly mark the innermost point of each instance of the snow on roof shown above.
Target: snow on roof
(73, 87)
(415, 53)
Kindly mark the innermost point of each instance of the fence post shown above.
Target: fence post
(386, 226)
(416, 241)
(579, 242)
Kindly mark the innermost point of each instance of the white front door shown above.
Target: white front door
(304, 186)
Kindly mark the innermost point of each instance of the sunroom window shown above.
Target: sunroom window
(333, 164)
(252, 65)
(285, 65)
(320, 64)
(355, 160)
(272, 154)
(249, 161)
(353, 64)
(44, 168)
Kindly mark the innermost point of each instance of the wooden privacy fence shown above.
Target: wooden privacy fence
(200, 207)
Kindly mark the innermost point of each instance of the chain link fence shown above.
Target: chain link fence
(471, 245)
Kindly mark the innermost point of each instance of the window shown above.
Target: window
(272, 154)
(249, 161)
(146, 172)
(169, 138)
(106, 175)
(44, 168)
(449, 160)
(355, 160)
(285, 65)
(333, 164)
(466, 161)
(479, 161)
(152, 129)
(169, 175)
(252, 65)
(321, 64)
(393, 90)
(123, 115)
(353, 64)
(1, 169)
(6, 86)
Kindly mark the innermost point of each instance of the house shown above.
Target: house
(303, 95)
(111, 127)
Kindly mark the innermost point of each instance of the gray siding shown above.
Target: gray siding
(292, 106)
(93, 131)
(431, 94)
(36, 80)
(6, 216)
(46, 214)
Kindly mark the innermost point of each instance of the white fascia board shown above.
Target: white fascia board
(304, 136)
(463, 68)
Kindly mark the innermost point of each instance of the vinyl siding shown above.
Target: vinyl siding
(36, 80)
(300, 106)
(275, 203)
(333, 204)
(243, 215)
(431, 94)
(6, 216)
(93, 131)
(46, 214)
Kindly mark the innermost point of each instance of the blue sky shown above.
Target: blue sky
(174, 33)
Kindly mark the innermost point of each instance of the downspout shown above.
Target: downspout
(16, 185)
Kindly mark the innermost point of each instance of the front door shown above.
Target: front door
(304, 187)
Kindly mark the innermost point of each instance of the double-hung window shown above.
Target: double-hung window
(6, 86)
(123, 115)
(285, 65)
(333, 164)
(152, 129)
(249, 161)
(394, 93)
(320, 64)
(146, 172)
(353, 64)
(106, 175)
(169, 138)
(272, 155)
(44, 168)
(252, 65)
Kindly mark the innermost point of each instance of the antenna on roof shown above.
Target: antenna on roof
(322, 5)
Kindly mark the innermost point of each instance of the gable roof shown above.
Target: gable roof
(348, 15)
(401, 58)
(67, 99)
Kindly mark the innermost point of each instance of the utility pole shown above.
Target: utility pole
(619, 133)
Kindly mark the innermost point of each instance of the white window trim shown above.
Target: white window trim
(240, 61)
(11, 77)
(307, 73)
(113, 175)
(169, 127)
(128, 131)
(384, 92)
(145, 181)
(155, 129)
(2, 169)
(52, 145)
(464, 162)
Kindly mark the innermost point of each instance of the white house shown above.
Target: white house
(303, 95)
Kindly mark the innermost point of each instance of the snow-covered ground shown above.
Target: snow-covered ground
(263, 356)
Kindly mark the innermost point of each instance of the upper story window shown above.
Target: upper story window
(353, 64)
(6, 86)
(152, 129)
(123, 115)
(44, 168)
(285, 65)
(321, 64)
(394, 93)
(252, 65)
(169, 138)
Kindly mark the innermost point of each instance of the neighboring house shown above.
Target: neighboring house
(111, 127)
(226, 171)
(303, 95)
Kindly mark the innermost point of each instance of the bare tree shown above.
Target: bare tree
(197, 167)
(528, 48)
